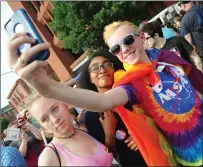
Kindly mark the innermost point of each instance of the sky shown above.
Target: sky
(7, 80)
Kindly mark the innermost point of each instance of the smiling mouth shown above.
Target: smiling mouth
(103, 77)
(129, 54)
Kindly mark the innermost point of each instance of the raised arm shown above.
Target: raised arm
(197, 60)
(35, 75)
(86, 99)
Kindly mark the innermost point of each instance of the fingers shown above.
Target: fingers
(16, 35)
(129, 139)
(14, 43)
(101, 120)
(28, 54)
(130, 144)
(17, 42)
(129, 133)
(28, 70)
(134, 148)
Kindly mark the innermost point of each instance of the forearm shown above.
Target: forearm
(189, 38)
(110, 140)
(85, 99)
(36, 132)
(197, 60)
(23, 148)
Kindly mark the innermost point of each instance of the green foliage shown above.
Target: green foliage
(80, 24)
(4, 123)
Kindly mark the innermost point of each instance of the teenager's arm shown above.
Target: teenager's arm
(36, 132)
(196, 59)
(88, 100)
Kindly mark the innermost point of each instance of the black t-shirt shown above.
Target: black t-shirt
(190, 23)
(180, 46)
(126, 156)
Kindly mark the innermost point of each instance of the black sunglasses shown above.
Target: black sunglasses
(147, 38)
(127, 41)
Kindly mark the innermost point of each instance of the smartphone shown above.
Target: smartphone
(21, 22)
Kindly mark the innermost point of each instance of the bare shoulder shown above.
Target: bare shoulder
(48, 157)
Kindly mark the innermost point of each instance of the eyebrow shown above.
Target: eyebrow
(101, 63)
(54, 105)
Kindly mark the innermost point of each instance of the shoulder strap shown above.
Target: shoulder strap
(81, 130)
(55, 150)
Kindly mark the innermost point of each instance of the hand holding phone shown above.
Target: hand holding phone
(21, 22)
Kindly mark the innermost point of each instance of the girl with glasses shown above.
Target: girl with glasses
(169, 94)
(108, 128)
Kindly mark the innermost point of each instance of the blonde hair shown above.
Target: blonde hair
(31, 99)
(109, 29)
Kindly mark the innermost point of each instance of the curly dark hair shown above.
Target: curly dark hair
(84, 80)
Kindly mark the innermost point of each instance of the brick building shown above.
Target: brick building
(18, 95)
(9, 113)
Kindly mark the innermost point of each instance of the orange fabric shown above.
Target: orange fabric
(153, 146)
(135, 72)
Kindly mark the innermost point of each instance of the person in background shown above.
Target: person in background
(177, 44)
(30, 143)
(108, 128)
(177, 20)
(192, 25)
(11, 157)
(29, 119)
(168, 25)
(70, 146)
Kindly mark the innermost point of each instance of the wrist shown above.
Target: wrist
(51, 89)
(24, 141)
(110, 141)
(31, 127)
(109, 134)
(110, 149)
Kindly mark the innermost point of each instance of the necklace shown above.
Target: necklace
(67, 136)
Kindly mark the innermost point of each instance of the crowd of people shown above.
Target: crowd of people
(138, 103)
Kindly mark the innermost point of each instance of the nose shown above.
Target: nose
(124, 48)
(102, 70)
(54, 119)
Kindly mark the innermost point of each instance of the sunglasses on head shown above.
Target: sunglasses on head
(127, 41)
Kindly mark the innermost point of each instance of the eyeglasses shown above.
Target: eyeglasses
(97, 67)
(127, 41)
(147, 38)
(22, 121)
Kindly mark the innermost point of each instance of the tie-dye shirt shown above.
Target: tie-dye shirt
(177, 110)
